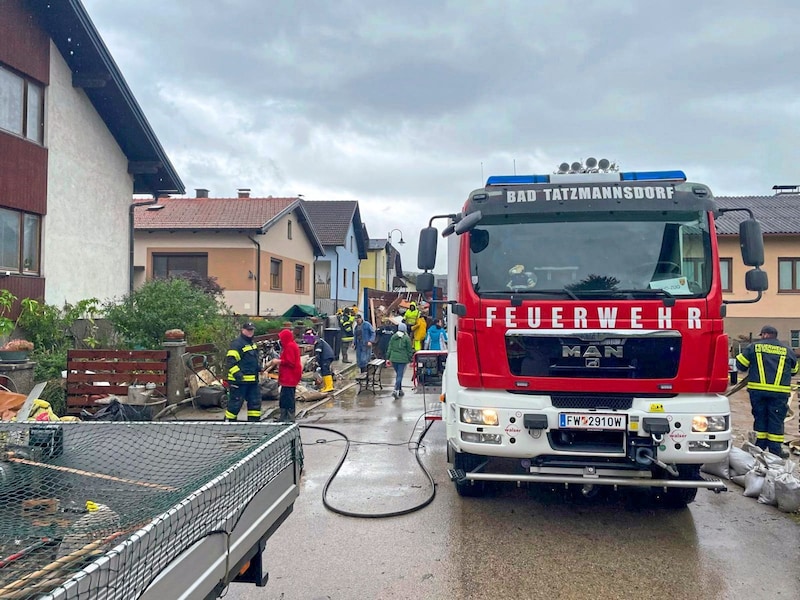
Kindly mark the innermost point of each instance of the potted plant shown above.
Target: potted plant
(15, 351)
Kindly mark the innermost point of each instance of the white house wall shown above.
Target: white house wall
(85, 232)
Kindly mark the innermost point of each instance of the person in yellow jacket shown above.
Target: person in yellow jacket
(411, 316)
(771, 364)
(420, 331)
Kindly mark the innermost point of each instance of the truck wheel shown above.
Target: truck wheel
(467, 462)
(680, 497)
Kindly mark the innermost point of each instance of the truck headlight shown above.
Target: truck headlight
(479, 416)
(703, 424)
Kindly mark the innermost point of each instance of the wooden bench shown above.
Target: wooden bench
(371, 378)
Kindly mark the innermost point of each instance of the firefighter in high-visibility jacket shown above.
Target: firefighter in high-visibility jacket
(346, 323)
(771, 364)
(244, 365)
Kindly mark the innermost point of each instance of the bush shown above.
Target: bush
(142, 317)
(49, 365)
(50, 327)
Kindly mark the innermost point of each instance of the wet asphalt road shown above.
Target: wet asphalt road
(519, 543)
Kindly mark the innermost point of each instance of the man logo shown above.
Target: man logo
(592, 363)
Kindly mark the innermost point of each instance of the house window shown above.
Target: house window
(289, 229)
(19, 241)
(21, 106)
(344, 278)
(788, 275)
(694, 268)
(353, 280)
(725, 270)
(180, 265)
(299, 278)
(794, 335)
(351, 243)
(275, 276)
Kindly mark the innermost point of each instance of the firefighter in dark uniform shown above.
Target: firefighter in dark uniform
(244, 365)
(771, 364)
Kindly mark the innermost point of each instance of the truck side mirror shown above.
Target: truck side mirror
(426, 253)
(425, 282)
(752, 243)
(755, 280)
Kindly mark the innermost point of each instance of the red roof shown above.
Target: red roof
(212, 213)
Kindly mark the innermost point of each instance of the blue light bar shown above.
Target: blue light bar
(587, 177)
(653, 175)
(517, 179)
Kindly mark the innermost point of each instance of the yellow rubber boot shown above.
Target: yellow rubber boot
(327, 383)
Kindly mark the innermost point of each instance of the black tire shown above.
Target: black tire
(681, 497)
(467, 462)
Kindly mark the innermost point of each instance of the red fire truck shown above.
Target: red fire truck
(587, 311)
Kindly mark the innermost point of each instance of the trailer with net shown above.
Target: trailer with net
(117, 511)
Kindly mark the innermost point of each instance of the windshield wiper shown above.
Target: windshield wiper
(669, 299)
(517, 301)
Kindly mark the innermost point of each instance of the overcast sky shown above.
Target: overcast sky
(408, 106)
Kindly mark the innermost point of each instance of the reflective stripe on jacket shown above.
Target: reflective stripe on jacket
(347, 328)
(771, 364)
(243, 357)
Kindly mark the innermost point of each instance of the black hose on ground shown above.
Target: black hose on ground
(382, 515)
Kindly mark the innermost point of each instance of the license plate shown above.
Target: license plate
(592, 421)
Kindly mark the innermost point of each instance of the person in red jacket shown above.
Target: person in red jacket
(290, 370)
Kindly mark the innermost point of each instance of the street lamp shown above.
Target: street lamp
(389, 256)
(389, 236)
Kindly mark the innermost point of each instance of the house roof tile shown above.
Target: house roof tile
(778, 214)
(240, 214)
(332, 219)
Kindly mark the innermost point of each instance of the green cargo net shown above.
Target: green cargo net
(96, 510)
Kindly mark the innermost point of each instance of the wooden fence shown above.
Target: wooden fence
(94, 374)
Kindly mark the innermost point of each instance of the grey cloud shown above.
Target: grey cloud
(392, 102)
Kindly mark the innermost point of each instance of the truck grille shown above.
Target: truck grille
(589, 401)
(595, 355)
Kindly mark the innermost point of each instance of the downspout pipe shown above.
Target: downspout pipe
(258, 275)
(337, 278)
(131, 208)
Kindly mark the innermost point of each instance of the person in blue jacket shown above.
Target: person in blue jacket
(436, 339)
(363, 338)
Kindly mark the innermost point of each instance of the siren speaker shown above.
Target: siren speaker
(563, 167)
(576, 166)
(604, 163)
(591, 162)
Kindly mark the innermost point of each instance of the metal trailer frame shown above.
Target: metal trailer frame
(200, 545)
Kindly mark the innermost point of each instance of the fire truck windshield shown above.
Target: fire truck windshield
(592, 254)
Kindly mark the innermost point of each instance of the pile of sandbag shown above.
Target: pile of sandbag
(769, 478)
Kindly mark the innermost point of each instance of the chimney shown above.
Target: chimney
(201, 193)
(786, 189)
(244, 192)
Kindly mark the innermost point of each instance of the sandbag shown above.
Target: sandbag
(739, 479)
(304, 394)
(719, 469)
(753, 483)
(270, 390)
(787, 492)
(767, 495)
(740, 462)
